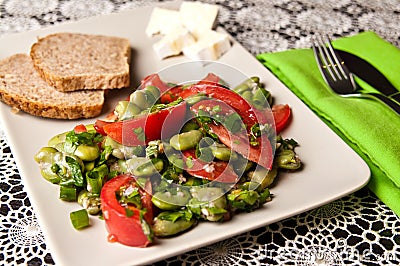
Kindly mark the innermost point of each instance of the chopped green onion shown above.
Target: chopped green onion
(95, 177)
(68, 193)
(79, 219)
(160, 106)
(105, 154)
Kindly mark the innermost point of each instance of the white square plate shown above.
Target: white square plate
(331, 168)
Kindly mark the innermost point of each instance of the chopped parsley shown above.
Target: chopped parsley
(161, 106)
(139, 133)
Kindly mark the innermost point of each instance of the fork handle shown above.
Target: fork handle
(388, 101)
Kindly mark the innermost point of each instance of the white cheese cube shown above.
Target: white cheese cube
(173, 43)
(163, 21)
(210, 45)
(197, 16)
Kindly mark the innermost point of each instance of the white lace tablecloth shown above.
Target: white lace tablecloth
(354, 230)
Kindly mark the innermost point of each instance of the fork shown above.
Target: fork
(338, 77)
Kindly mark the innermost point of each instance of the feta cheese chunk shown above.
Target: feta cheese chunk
(197, 16)
(188, 30)
(173, 43)
(210, 45)
(163, 21)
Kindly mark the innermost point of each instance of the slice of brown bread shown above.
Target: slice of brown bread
(21, 87)
(74, 61)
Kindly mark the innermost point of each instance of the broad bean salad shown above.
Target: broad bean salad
(171, 156)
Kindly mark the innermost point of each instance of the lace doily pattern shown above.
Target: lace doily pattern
(268, 26)
(357, 229)
(21, 238)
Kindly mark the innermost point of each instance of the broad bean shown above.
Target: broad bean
(141, 166)
(46, 158)
(222, 153)
(89, 165)
(138, 98)
(154, 91)
(57, 139)
(243, 199)
(126, 110)
(208, 203)
(248, 95)
(165, 227)
(248, 84)
(287, 159)
(87, 152)
(186, 140)
(191, 100)
(45, 155)
(189, 126)
(262, 176)
(254, 92)
(123, 152)
(171, 199)
(91, 202)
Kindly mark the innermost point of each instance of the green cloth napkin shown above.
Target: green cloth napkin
(371, 128)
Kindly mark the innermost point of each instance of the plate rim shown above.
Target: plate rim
(12, 141)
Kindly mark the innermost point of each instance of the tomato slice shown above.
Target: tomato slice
(154, 80)
(282, 115)
(174, 93)
(249, 114)
(142, 129)
(171, 95)
(150, 80)
(210, 78)
(238, 141)
(210, 86)
(80, 128)
(214, 171)
(122, 228)
(99, 126)
(261, 154)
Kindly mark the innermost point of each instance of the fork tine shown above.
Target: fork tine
(322, 58)
(329, 58)
(338, 62)
(332, 68)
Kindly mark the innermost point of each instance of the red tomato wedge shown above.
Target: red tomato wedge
(154, 80)
(261, 154)
(214, 171)
(122, 228)
(282, 114)
(80, 128)
(142, 129)
(175, 92)
(249, 114)
(99, 126)
(210, 78)
(238, 141)
(171, 95)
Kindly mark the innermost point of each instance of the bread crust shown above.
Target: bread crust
(50, 111)
(22, 88)
(55, 50)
